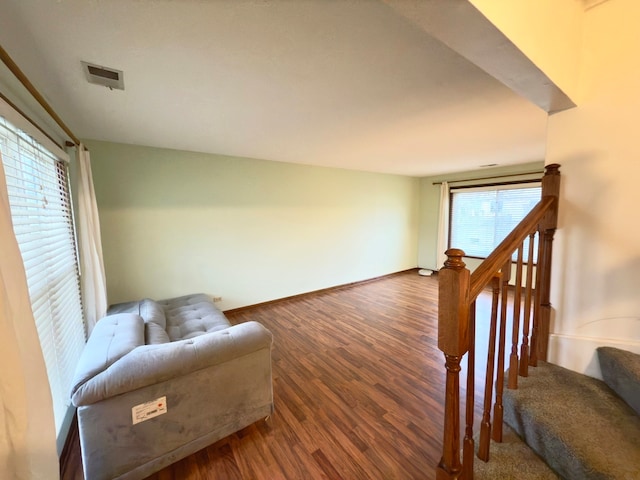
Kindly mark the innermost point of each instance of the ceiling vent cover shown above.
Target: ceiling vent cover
(107, 77)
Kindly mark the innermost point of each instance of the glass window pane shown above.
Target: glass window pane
(482, 218)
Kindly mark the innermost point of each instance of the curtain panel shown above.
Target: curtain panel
(443, 226)
(92, 274)
(27, 427)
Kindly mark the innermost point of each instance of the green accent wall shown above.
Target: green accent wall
(247, 230)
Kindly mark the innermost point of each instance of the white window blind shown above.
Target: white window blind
(482, 217)
(37, 185)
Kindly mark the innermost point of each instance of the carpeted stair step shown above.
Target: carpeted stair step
(512, 459)
(577, 424)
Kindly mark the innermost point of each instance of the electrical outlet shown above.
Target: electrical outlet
(217, 299)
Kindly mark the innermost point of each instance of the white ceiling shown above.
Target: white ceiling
(348, 84)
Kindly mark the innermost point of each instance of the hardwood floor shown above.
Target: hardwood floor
(358, 384)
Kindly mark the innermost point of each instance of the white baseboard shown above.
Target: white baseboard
(579, 353)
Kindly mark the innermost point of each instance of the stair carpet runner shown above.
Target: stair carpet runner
(567, 425)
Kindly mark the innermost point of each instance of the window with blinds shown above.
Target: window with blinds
(37, 184)
(481, 217)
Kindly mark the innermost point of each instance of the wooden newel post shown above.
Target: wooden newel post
(453, 340)
(546, 229)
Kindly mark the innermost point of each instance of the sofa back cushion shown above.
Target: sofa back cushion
(155, 322)
(152, 311)
(154, 334)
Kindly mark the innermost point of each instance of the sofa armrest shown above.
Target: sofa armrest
(113, 337)
(152, 364)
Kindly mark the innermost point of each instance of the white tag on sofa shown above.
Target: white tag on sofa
(148, 410)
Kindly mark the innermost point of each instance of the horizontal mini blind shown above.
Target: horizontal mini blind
(482, 217)
(38, 189)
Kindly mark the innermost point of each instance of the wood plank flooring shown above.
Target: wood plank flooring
(358, 385)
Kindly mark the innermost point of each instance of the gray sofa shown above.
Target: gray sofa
(158, 381)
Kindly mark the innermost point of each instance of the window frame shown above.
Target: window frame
(516, 184)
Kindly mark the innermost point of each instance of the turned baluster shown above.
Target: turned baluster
(524, 348)
(485, 424)
(533, 357)
(505, 274)
(515, 332)
(468, 443)
(453, 341)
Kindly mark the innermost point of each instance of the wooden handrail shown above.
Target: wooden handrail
(482, 275)
(457, 293)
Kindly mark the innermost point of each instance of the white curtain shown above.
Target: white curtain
(27, 428)
(92, 276)
(443, 226)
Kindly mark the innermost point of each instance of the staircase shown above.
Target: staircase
(538, 420)
(567, 425)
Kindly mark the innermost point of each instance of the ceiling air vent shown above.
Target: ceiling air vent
(107, 77)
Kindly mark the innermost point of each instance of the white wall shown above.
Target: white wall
(596, 273)
(246, 230)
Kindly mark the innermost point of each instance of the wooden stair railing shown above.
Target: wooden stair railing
(458, 291)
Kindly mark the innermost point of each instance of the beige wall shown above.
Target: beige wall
(430, 205)
(548, 32)
(597, 249)
(247, 230)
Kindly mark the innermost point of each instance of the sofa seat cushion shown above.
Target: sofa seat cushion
(191, 316)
